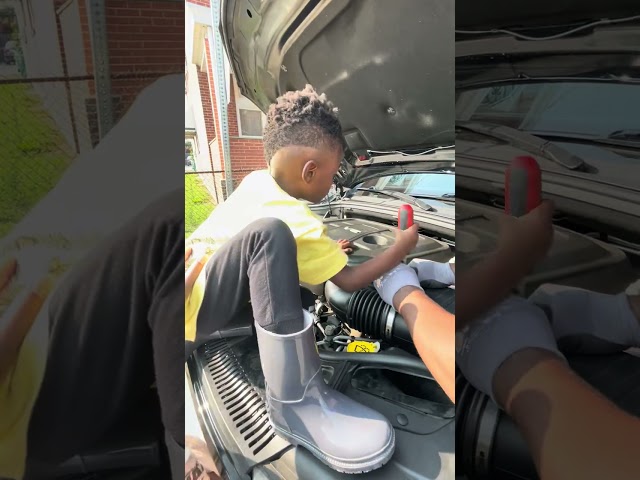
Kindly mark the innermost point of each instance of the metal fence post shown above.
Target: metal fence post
(220, 85)
(102, 72)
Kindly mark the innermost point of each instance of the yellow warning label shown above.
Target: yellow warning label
(359, 346)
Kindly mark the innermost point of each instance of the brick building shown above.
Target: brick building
(144, 41)
(144, 37)
(245, 120)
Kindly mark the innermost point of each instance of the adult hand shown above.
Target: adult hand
(392, 282)
(485, 344)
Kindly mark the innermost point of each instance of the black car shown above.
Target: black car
(395, 101)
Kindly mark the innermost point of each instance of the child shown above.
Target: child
(304, 146)
(255, 259)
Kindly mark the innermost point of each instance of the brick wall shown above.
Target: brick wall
(208, 68)
(203, 3)
(246, 153)
(143, 37)
(207, 107)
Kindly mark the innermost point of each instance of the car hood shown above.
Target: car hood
(387, 66)
(494, 14)
(541, 40)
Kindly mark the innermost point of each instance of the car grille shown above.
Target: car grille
(237, 404)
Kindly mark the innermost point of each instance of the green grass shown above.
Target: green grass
(33, 154)
(198, 203)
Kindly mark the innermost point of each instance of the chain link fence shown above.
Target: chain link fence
(203, 191)
(200, 198)
(49, 113)
(45, 124)
(33, 152)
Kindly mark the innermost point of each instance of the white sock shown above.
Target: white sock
(429, 270)
(590, 322)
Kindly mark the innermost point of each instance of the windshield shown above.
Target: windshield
(420, 185)
(572, 109)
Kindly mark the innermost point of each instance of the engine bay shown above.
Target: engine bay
(370, 239)
(367, 354)
(490, 445)
(362, 316)
(574, 259)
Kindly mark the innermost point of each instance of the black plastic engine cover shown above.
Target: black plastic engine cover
(371, 238)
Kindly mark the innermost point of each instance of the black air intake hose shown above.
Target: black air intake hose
(489, 445)
(366, 312)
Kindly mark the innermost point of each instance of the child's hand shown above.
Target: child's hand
(524, 241)
(191, 274)
(406, 240)
(346, 246)
(18, 318)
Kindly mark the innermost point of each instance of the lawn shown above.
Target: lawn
(198, 203)
(33, 154)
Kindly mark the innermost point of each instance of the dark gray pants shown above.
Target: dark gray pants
(259, 265)
(116, 328)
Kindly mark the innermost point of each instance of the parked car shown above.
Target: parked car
(9, 52)
(395, 99)
(564, 102)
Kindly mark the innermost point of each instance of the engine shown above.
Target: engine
(488, 444)
(574, 259)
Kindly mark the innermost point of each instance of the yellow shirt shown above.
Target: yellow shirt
(257, 197)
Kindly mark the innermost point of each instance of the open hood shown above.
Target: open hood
(543, 40)
(501, 14)
(387, 66)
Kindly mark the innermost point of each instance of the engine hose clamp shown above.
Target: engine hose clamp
(388, 327)
(486, 431)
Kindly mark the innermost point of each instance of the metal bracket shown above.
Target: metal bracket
(220, 84)
(96, 17)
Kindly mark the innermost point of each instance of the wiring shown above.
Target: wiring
(426, 152)
(604, 21)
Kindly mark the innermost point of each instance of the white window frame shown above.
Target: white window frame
(192, 139)
(262, 117)
(243, 103)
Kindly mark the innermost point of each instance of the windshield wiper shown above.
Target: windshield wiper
(529, 143)
(400, 196)
(629, 135)
(446, 196)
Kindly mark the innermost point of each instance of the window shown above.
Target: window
(250, 123)
(190, 155)
(580, 109)
(428, 184)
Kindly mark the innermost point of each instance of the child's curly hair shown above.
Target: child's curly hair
(303, 118)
